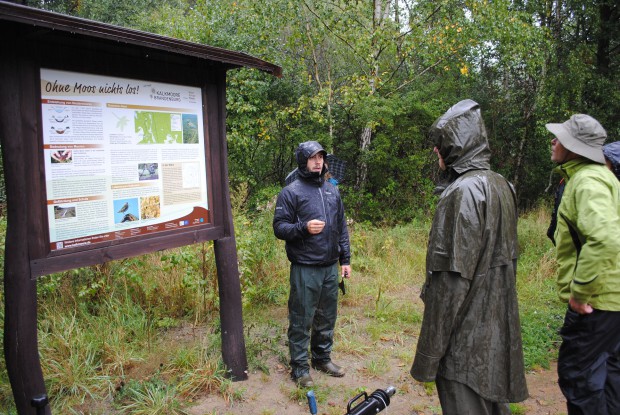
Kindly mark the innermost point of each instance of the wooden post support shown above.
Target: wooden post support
(20, 290)
(231, 319)
(231, 307)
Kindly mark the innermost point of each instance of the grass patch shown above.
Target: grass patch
(148, 398)
(375, 367)
(517, 409)
(541, 311)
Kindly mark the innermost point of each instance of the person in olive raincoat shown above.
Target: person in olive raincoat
(310, 217)
(470, 341)
(588, 257)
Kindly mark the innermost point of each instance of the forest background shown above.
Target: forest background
(366, 79)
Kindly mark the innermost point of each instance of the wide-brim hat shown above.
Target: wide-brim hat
(582, 135)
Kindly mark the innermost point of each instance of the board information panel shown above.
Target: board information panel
(123, 157)
(114, 145)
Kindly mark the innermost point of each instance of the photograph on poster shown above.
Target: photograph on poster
(148, 171)
(64, 212)
(61, 156)
(126, 210)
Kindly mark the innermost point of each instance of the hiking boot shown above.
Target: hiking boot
(304, 381)
(329, 368)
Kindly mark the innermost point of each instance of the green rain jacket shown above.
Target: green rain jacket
(471, 331)
(588, 235)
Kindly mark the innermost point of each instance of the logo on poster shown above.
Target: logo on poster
(161, 95)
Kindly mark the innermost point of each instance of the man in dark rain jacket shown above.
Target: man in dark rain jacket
(310, 217)
(470, 342)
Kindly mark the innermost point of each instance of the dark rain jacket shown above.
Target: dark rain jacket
(312, 197)
(471, 332)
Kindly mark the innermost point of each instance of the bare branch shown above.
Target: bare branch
(356, 54)
(428, 68)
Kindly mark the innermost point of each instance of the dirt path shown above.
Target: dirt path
(275, 394)
(373, 361)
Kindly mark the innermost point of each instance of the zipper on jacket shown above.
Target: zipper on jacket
(303, 240)
(323, 204)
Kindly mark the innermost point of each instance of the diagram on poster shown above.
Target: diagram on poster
(123, 157)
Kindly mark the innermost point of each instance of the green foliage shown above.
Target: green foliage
(399, 188)
(517, 409)
(262, 122)
(83, 356)
(117, 12)
(262, 261)
(349, 68)
(264, 340)
(540, 309)
(2, 187)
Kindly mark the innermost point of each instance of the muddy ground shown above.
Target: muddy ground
(274, 393)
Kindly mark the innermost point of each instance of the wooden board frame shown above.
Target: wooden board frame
(36, 39)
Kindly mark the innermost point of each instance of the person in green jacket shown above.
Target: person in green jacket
(588, 255)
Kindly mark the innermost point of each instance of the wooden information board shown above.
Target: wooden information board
(114, 146)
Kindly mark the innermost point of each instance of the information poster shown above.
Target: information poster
(123, 157)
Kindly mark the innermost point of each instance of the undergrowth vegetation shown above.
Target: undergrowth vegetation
(540, 310)
(141, 335)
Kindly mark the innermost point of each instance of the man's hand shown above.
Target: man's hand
(345, 271)
(315, 226)
(578, 307)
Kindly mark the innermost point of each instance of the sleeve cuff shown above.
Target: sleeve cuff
(424, 368)
(581, 297)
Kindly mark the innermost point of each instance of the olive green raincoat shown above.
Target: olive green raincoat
(471, 332)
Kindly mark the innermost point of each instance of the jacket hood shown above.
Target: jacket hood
(461, 138)
(612, 153)
(306, 150)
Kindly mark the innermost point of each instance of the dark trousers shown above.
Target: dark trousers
(589, 363)
(312, 309)
(459, 399)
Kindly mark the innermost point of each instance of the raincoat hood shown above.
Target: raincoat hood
(461, 138)
(612, 153)
(306, 150)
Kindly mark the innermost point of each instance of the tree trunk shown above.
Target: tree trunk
(607, 17)
(379, 13)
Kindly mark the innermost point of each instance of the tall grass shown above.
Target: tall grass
(540, 310)
(142, 335)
